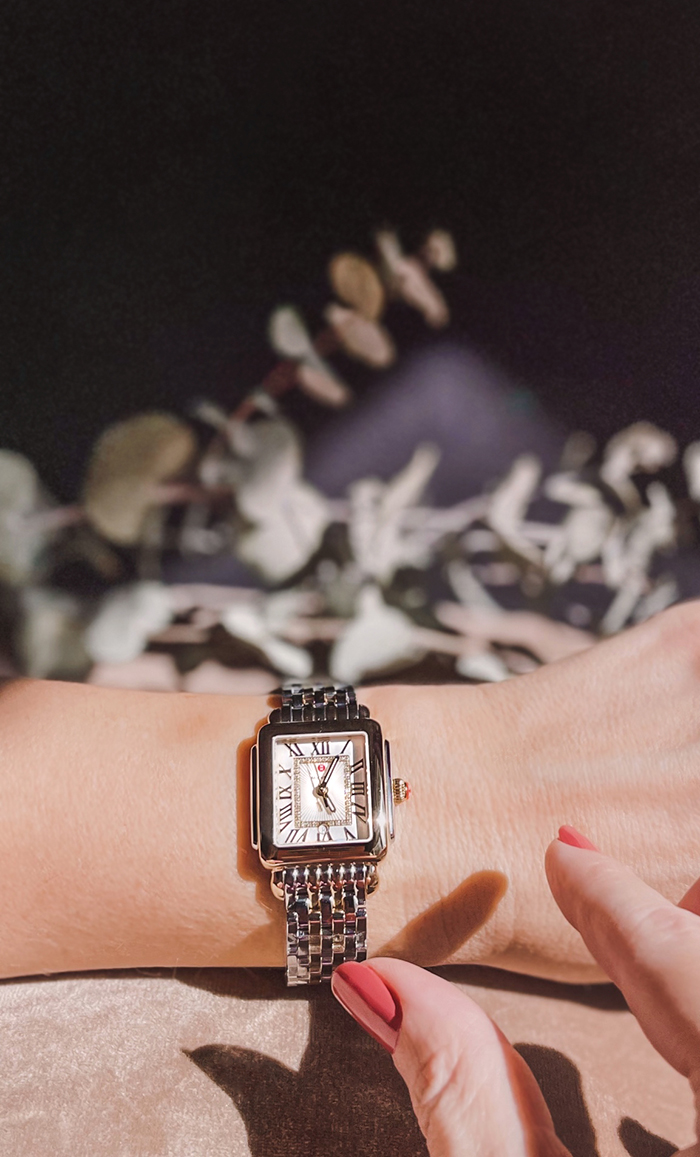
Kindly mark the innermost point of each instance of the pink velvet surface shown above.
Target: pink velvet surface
(227, 1063)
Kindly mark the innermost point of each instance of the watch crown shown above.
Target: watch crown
(401, 789)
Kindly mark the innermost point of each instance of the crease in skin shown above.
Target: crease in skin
(436, 934)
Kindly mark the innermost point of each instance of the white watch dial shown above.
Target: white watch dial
(321, 789)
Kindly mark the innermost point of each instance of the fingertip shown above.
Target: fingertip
(364, 994)
(570, 835)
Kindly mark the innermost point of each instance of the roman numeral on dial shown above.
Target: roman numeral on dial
(294, 748)
(297, 836)
(323, 747)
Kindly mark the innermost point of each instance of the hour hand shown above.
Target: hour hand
(330, 806)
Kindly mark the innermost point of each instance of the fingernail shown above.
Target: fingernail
(366, 997)
(569, 835)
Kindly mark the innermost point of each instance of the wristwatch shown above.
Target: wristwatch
(322, 817)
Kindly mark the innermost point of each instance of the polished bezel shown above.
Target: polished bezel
(262, 802)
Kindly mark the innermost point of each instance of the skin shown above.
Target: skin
(470, 1090)
(124, 815)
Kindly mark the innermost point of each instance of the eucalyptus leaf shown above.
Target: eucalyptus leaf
(651, 528)
(410, 281)
(49, 636)
(662, 595)
(379, 540)
(584, 533)
(363, 339)
(269, 464)
(322, 386)
(485, 666)
(247, 622)
(22, 536)
(126, 619)
(509, 503)
(378, 639)
(470, 592)
(584, 530)
(290, 532)
(288, 335)
(691, 465)
(289, 516)
(640, 447)
(439, 250)
(128, 462)
(357, 284)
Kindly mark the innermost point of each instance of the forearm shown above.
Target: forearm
(121, 829)
(124, 832)
(124, 828)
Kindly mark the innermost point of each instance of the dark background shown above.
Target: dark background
(171, 171)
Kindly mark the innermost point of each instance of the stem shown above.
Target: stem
(54, 519)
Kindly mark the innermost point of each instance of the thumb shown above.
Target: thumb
(470, 1090)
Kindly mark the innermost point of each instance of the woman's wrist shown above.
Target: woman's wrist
(124, 815)
(125, 831)
(444, 890)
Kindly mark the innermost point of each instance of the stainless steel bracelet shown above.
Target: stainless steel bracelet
(326, 918)
(326, 914)
(315, 704)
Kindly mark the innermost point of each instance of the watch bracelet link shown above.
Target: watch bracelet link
(317, 704)
(326, 919)
(325, 904)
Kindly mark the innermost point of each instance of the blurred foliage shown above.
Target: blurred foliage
(347, 590)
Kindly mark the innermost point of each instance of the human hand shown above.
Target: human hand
(471, 1091)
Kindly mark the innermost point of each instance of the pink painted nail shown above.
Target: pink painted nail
(363, 994)
(569, 835)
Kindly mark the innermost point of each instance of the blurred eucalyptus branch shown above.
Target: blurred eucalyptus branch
(362, 587)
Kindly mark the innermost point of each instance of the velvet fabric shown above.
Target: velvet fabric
(229, 1063)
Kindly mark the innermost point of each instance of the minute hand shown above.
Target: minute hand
(329, 773)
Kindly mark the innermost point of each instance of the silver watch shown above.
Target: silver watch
(322, 817)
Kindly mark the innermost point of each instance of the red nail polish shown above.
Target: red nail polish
(569, 835)
(363, 994)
